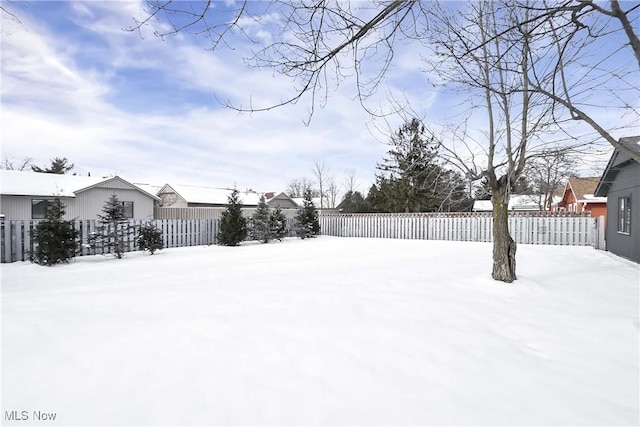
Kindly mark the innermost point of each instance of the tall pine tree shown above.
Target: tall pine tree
(408, 172)
(233, 226)
(307, 223)
(55, 237)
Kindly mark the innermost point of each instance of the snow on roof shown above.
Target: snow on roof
(525, 202)
(149, 188)
(300, 201)
(213, 195)
(21, 183)
(482, 206)
(591, 198)
(520, 202)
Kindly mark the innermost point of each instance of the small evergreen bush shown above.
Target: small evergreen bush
(149, 238)
(261, 222)
(113, 229)
(233, 226)
(56, 238)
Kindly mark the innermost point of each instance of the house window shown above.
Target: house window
(624, 214)
(127, 209)
(40, 207)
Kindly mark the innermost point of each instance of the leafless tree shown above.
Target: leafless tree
(526, 59)
(496, 79)
(549, 172)
(350, 181)
(320, 172)
(298, 186)
(332, 192)
(20, 165)
(577, 30)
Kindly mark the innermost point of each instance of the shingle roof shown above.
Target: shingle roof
(617, 160)
(631, 142)
(582, 186)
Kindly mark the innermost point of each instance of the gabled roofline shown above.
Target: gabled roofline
(610, 172)
(117, 178)
(286, 196)
(568, 185)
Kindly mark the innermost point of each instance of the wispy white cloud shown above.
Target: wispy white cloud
(61, 97)
(77, 85)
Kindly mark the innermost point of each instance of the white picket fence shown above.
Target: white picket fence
(538, 229)
(542, 229)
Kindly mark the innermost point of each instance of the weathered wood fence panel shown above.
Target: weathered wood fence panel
(17, 244)
(548, 229)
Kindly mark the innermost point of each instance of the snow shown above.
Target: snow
(21, 183)
(324, 331)
(590, 198)
(213, 195)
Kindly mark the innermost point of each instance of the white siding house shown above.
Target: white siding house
(24, 195)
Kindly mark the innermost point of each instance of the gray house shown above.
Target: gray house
(620, 182)
(280, 200)
(26, 195)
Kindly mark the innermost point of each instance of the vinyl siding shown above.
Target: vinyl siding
(626, 183)
(89, 203)
(283, 203)
(19, 207)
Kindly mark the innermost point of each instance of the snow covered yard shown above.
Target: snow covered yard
(324, 331)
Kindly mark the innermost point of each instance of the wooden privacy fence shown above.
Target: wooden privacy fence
(546, 229)
(16, 243)
(540, 229)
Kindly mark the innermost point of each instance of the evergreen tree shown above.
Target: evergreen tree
(233, 226)
(113, 229)
(278, 224)
(55, 237)
(307, 223)
(353, 202)
(484, 191)
(261, 222)
(149, 238)
(409, 171)
(58, 166)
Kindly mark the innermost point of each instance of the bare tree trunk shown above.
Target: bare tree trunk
(504, 248)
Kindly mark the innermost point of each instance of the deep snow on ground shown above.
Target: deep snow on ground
(324, 331)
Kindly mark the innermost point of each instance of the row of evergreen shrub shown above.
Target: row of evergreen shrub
(58, 241)
(265, 225)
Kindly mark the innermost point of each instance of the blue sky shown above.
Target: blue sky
(75, 85)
